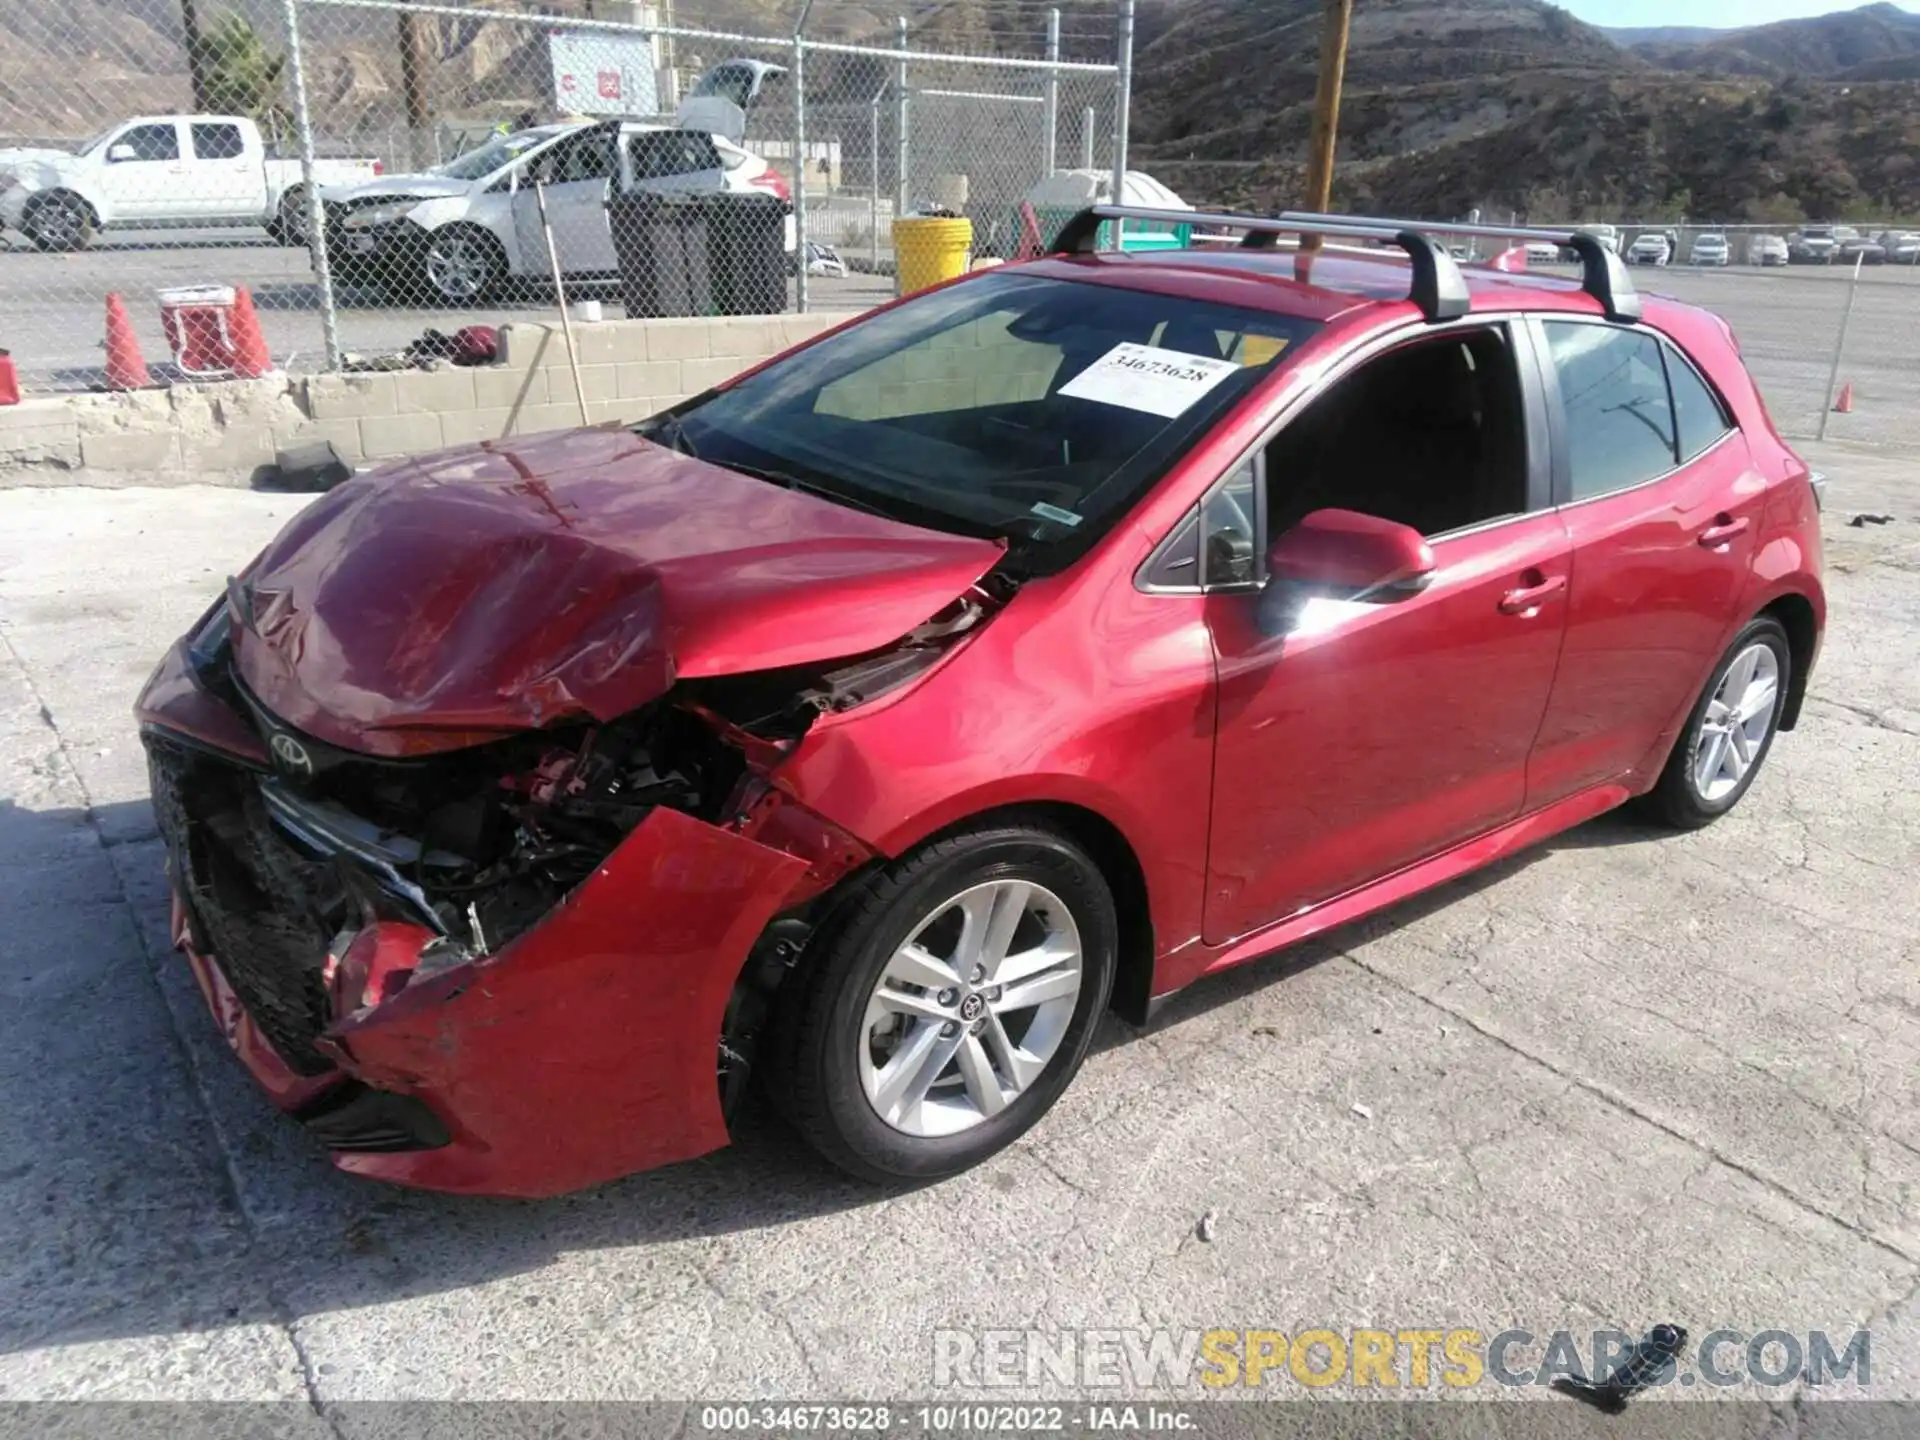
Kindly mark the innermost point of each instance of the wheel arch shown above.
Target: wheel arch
(1795, 614)
(67, 192)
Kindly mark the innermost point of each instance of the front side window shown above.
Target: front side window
(1016, 405)
(1431, 435)
(1613, 393)
(152, 142)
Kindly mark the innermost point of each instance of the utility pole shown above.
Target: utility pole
(1335, 22)
(196, 53)
(414, 65)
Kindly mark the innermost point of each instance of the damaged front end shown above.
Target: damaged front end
(519, 967)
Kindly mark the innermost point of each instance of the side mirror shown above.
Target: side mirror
(122, 152)
(1351, 556)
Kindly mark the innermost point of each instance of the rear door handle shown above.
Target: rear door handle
(1530, 597)
(1724, 529)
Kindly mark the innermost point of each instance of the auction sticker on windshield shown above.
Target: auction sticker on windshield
(1146, 377)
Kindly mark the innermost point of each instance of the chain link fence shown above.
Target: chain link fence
(724, 156)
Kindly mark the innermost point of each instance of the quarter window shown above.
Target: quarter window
(1619, 417)
(1701, 418)
(1229, 523)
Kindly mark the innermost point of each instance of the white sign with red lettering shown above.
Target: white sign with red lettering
(602, 74)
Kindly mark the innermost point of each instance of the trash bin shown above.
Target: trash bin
(747, 254)
(927, 250)
(662, 245)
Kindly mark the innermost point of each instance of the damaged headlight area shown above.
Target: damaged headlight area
(281, 871)
(330, 880)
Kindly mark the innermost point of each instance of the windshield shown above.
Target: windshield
(478, 164)
(88, 147)
(1015, 406)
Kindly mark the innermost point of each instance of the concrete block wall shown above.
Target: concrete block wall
(224, 432)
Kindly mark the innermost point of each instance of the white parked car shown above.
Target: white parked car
(1710, 249)
(453, 234)
(1767, 250)
(162, 170)
(1650, 247)
(1607, 235)
(1542, 252)
(1902, 247)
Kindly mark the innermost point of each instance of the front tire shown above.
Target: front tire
(289, 225)
(953, 1000)
(60, 222)
(461, 265)
(1729, 732)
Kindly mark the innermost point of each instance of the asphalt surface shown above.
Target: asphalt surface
(1627, 1077)
(53, 316)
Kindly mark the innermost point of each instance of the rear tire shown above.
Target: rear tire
(289, 225)
(900, 1058)
(59, 222)
(1729, 732)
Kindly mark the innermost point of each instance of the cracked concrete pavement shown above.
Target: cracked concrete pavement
(1626, 1078)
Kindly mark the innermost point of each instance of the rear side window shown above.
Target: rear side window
(218, 142)
(1702, 419)
(659, 154)
(1619, 417)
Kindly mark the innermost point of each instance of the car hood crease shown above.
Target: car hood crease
(516, 584)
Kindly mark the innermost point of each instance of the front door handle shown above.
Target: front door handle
(1529, 597)
(1723, 530)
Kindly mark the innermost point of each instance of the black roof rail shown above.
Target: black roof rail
(1603, 274)
(1438, 287)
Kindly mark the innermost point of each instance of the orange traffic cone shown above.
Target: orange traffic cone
(126, 369)
(250, 355)
(1843, 403)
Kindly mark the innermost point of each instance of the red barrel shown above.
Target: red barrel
(9, 380)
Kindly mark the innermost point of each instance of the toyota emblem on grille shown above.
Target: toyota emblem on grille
(291, 754)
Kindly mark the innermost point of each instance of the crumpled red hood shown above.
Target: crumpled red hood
(505, 587)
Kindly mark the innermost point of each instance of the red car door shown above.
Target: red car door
(1662, 505)
(1373, 734)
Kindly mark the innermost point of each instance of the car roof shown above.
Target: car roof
(1337, 280)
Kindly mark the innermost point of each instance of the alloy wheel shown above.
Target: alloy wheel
(460, 266)
(970, 1008)
(1736, 723)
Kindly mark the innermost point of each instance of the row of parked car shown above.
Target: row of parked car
(1811, 245)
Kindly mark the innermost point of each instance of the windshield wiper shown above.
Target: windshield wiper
(672, 433)
(789, 481)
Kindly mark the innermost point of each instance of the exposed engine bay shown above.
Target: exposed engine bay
(281, 867)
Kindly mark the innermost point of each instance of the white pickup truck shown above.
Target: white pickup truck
(162, 170)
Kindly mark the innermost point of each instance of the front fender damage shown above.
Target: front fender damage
(603, 1016)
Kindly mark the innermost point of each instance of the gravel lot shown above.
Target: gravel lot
(51, 317)
(1625, 1078)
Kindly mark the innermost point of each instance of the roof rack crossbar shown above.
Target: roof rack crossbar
(1603, 274)
(1438, 287)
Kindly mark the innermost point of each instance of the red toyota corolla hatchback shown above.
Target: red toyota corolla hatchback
(875, 721)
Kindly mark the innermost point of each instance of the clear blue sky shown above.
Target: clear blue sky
(1727, 13)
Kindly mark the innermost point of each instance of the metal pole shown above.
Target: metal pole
(1086, 138)
(1326, 111)
(1050, 127)
(800, 164)
(903, 190)
(1122, 103)
(873, 181)
(316, 212)
(1840, 345)
(560, 294)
